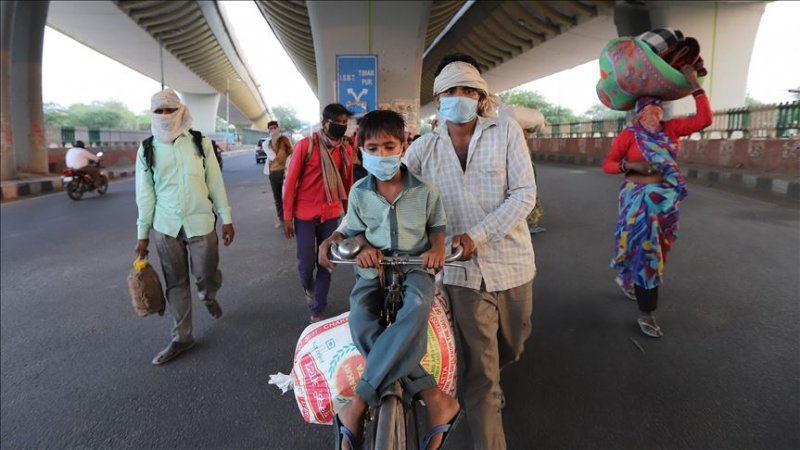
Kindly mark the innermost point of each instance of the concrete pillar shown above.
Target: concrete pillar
(394, 30)
(8, 167)
(726, 32)
(203, 108)
(27, 40)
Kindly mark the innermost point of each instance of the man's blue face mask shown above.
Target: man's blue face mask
(458, 109)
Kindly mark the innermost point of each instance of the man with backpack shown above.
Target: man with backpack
(179, 195)
(315, 194)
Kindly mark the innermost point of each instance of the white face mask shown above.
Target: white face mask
(167, 127)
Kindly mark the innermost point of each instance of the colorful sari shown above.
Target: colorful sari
(648, 214)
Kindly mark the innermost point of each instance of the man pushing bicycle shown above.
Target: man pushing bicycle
(392, 211)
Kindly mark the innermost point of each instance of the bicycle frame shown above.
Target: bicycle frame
(395, 419)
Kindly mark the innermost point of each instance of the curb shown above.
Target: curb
(762, 183)
(17, 189)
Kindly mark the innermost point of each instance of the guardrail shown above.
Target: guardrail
(767, 121)
(64, 137)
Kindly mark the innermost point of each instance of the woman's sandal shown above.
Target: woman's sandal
(652, 330)
(444, 429)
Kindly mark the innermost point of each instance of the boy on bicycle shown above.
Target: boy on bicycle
(393, 211)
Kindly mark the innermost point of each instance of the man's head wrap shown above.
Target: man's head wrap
(459, 73)
(641, 102)
(167, 127)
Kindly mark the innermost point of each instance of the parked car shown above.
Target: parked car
(261, 154)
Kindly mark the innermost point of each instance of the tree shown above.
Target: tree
(750, 101)
(534, 99)
(600, 112)
(55, 114)
(287, 119)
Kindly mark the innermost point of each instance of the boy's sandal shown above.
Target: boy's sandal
(444, 429)
(343, 433)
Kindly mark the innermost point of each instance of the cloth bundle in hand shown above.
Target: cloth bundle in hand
(145, 288)
(629, 69)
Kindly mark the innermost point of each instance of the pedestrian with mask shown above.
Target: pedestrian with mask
(179, 189)
(480, 165)
(278, 151)
(315, 194)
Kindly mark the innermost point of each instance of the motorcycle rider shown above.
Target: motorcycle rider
(78, 158)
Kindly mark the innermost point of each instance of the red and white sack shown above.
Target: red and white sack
(327, 364)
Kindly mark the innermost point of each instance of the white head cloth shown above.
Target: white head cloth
(167, 127)
(460, 73)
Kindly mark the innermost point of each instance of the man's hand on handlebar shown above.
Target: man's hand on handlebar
(465, 241)
(325, 247)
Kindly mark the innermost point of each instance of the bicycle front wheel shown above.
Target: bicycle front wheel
(394, 427)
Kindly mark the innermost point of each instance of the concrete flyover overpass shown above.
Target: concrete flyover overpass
(514, 42)
(187, 44)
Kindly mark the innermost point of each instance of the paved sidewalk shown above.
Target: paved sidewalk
(781, 185)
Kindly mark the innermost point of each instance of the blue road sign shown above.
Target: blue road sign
(357, 83)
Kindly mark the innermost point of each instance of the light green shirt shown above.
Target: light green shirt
(182, 191)
(399, 227)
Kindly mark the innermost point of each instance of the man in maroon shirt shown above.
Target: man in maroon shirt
(318, 181)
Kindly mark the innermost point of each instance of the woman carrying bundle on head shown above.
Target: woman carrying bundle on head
(646, 153)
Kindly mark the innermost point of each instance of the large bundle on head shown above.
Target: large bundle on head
(631, 68)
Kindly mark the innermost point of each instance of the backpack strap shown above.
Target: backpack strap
(197, 138)
(147, 145)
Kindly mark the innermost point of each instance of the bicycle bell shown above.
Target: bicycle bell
(349, 248)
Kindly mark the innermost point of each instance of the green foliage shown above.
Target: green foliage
(750, 101)
(55, 114)
(599, 111)
(534, 99)
(287, 119)
(97, 114)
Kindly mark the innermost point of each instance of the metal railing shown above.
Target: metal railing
(766, 121)
(65, 137)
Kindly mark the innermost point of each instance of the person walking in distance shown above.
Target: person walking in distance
(278, 151)
(318, 181)
(179, 189)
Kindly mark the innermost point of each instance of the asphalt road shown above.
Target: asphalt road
(75, 358)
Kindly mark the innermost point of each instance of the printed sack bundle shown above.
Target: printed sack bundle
(145, 288)
(629, 69)
(327, 364)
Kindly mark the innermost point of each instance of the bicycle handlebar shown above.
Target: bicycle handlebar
(350, 248)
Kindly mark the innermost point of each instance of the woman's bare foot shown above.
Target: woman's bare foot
(352, 417)
(441, 410)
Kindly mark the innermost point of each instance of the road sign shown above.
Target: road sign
(357, 83)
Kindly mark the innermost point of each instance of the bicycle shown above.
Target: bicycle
(395, 424)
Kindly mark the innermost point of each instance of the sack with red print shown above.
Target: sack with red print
(327, 364)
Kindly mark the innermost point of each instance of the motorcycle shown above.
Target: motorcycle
(76, 183)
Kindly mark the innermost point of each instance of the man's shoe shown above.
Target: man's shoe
(278, 224)
(316, 318)
(213, 308)
(171, 352)
(309, 297)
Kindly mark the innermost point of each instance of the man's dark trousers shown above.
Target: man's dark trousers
(309, 234)
(276, 181)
